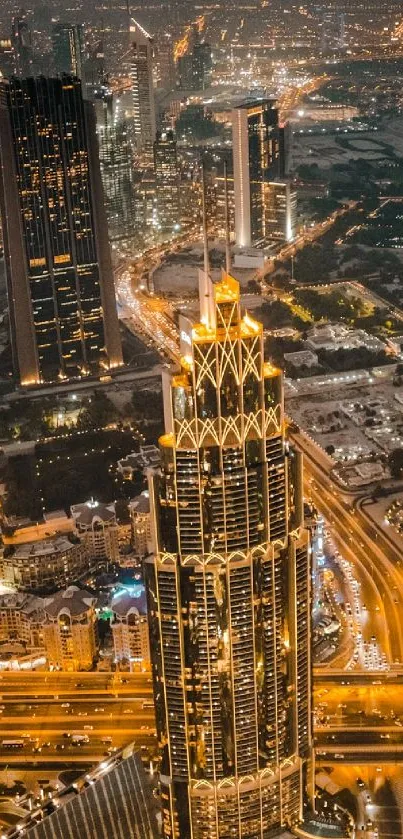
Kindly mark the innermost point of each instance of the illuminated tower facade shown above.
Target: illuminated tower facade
(68, 49)
(59, 275)
(229, 588)
(141, 47)
(167, 181)
(116, 161)
(259, 157)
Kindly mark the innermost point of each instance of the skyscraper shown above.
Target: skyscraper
(111, 801)
(229, 588)
(68, 49)
(116, 161)
(59, 275)
(141, 45)
(258, 146)
(281, 211)
(22, 42)
(166, 181)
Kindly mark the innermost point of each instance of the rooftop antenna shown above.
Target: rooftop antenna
(205, 234)
(226, 210)
(206, 295)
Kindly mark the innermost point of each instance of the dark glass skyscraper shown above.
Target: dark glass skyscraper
(229, 589)
(166, 181)
(259, 157)
(59, 275)
(68, 49)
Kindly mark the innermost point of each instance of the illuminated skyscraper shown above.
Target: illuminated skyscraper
(229, 588)
(68, 49)
(258, 144)
(116, 160)
(141, 45)
(281, 211)
(59, 276)
(166, 181)
(22, 42)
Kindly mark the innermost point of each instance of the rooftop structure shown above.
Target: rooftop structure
(46, 563)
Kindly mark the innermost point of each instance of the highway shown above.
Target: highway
(46, 711)
(375, 562)
(146, 316)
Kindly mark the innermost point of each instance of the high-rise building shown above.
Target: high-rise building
(60, 284)
(7, 58)
(141, 46)
(116, 161)
(22, 42)
(229, 588)
(194, 68)
(281, 211)
(258, 146)
(68, 49)
(98, 529)
(130, 626)
(164, 64)
(111, 801)
(69, 630)
(166, 181)
(202, 64)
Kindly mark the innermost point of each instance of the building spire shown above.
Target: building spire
(227, 232)
(205, 234)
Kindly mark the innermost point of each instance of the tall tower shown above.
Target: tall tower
(258, 158)
(68, 49)
(116, 161)
(229, 588)
(141, 45)
(167, 181)
(59, 275)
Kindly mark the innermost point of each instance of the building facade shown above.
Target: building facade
(69, 631)
(130, 626)
(112, 801)
(21, 619)
(68, 49)
(141, 46)
(116, 162)
(229, 589)
(59, 275)
(98, 529)
(167, 182)
(43, 564)
(281, 211)
(140, 518)
(258, 149)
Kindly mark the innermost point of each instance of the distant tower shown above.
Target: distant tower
(68, 49)
(22, 42)
(58, 266)
(166, 181)
(116, 161)
(141, 44)
(258, 158)
(229, 588)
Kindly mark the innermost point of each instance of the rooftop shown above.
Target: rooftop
(127, 598)
(73, 600)
(91, 511)
(44, 547)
